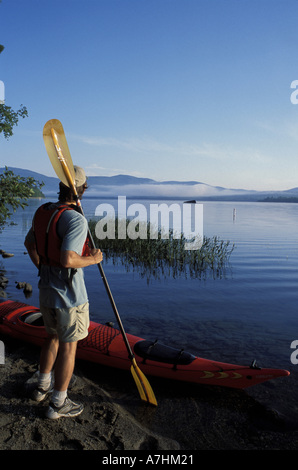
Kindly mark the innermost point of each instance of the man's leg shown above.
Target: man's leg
(48, 354)
(72, 326)
(60, 404)
(48, 357)
(65, 365)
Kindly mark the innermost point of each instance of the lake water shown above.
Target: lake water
(247, 313)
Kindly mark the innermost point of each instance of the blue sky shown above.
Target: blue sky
(166, 89)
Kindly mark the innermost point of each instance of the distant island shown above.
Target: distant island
(37, 193)
(280, 199)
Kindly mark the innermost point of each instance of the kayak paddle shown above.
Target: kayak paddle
(58, 152)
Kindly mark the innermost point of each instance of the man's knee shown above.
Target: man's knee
(68, 348)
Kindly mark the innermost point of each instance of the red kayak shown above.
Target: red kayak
(104, 345)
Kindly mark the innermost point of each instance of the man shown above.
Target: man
(60, 255)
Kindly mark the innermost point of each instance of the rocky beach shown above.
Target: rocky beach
(188, 418)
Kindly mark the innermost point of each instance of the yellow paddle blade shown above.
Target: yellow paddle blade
(144, 388)
(57, 149)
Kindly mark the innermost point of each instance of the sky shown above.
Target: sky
(164, 89)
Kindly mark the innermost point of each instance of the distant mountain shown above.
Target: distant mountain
(51, 183)
(134, 187)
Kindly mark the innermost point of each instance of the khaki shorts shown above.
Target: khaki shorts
(69, 324)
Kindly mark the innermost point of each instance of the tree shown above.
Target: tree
(15, 190)
(8, 117)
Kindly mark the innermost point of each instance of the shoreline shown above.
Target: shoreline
(187, 418)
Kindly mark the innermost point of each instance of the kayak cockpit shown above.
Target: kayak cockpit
(32, 318)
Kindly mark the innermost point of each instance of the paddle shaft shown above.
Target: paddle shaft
(131, 356)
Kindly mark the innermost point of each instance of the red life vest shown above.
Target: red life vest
(48, 242)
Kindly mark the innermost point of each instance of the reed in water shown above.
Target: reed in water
(164, 256)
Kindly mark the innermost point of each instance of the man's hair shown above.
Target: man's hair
(65, 193)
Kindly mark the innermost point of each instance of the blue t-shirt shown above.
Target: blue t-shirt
(64, 287)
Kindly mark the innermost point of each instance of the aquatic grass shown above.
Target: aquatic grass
(165, 254)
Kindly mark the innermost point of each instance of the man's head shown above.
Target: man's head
(80, 176)
(66, 194)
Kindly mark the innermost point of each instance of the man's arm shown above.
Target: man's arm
(70, 259)
(73, 231)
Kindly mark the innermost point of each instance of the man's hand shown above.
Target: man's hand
(97, 254)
